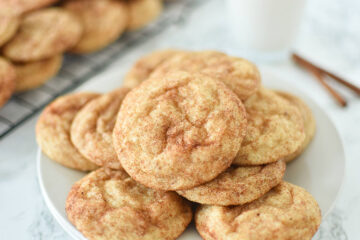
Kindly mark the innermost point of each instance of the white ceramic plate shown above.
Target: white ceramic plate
(320, 169)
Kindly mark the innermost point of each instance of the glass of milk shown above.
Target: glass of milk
(264, 30)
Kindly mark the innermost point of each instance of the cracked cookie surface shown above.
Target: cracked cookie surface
(43, 34)
(237, 185)
(241, 76)
(285, 212)
(143, 67)
(308, 119)
(178, 131)
(91, 130)
(53, 131)
(275, 129)
(107, 204)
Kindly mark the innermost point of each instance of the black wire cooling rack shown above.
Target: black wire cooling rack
(78, 69)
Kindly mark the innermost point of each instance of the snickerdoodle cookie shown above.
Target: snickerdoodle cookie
(103, 22)
(141, 12)
(241, 76)
(30, 75)
(309, 122)
(107, 204)
(285, 212)
(275, 129)
(146, 65)
(178, 131)
(43, 34)
(8, 27)
(91, 130)
(53, 131)
(18, 7)
(237, 185)
(7, 80)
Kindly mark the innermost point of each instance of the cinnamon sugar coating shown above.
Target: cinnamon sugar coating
(285, 212)
(237, 185)
(179, 130)
(109, 205)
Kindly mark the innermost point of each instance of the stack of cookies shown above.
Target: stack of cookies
(33, 38)
(187, 129)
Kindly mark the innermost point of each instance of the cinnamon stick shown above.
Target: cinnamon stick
(305, 62)
(319, 76)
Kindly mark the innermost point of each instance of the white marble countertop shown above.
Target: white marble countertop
(330, 37)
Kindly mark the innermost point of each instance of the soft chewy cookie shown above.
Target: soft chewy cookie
(109, 205)
(178, 131)
(238, 74)
(7, 80)
(43, 34)
(275, 129)
(141, 12)
(146, 65)
(30, 75)
(237, 185)
(53, 131)
(309, 122)
(91, 130)
(8, 27)
(18, 7)
(104, 21)
(286, 212)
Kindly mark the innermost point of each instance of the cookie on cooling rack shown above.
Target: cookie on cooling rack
(8, 27)
(43, 34)
(7, 80)
(142, 12)
(30, 75)
(103, 21)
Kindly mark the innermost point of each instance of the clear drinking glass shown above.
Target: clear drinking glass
(264, 30)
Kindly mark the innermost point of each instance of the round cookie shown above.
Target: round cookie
(142, 12)
(241, 76)
(8, 27)
(109, 205)
(237, 185)
(103, 21)
(178, 131)
(53, 131)
(43, 34)
(285, 212)
(7, 80)
(18, 7)
(275, 129)
(142, 69)
(33, 74)
(309, 122)
(91, 130)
